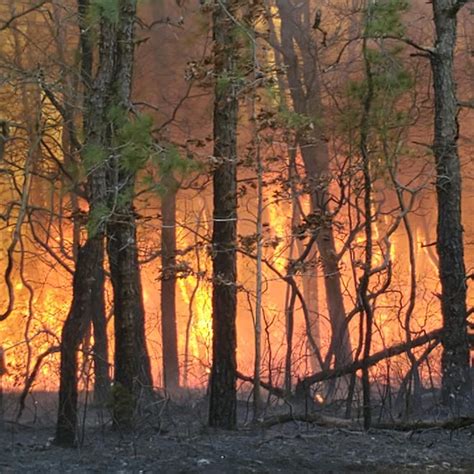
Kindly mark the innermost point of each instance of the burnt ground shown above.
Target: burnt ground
(177, 441)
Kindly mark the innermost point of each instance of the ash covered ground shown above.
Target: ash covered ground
(176, 440)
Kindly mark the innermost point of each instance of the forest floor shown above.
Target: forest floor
(179, 442)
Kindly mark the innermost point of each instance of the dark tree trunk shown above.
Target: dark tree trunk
(88, 282)
(132, 364)
(456, 381)
(223, 400)
(94, 125)
(168, 287)
(363, 284)
(95, 130)
(100, 349)
(305, 89)
(109, 88)
(88, 272)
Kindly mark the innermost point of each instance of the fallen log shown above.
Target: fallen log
(374, 359)
(304, 384)
(451, 424)
(333, 422)
(315, 418)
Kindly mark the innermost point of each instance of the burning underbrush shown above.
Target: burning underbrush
(405, 351)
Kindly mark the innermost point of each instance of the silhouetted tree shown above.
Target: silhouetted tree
(168, 284)
(223, 401)
(456, 381)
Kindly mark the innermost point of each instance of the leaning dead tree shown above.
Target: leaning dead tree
(304, 384)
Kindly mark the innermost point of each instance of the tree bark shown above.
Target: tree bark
(88, 271)
(88, 281)
(456, 380)
(132, 364)
(168, 287)
(223, 399)
(109, 88)
(363, 284)
(94, 126)
(101, 343)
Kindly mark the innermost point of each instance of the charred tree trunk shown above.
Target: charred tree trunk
(456, 381)
(95, 129)
(88, 281)
(168, 287)
(363, 284)
(104, 92)
(132, 364)
(101, 345)
(223, 400)
(88, 272)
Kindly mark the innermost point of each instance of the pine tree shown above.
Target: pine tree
(223, 400)
(456, 381)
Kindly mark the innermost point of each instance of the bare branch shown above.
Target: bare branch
(468, 104)
(32, 377)
(426, 50)
(22, 14)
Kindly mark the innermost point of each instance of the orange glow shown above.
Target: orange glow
(51, 304)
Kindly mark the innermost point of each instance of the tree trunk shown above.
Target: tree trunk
(363, 284)
(108, 183)
(100, 349)
(168, 287)
(311, 297)
(315, 155)
(88, 276)
(456, 381)
(132, 364)
(95, 91)
(88, 272)
(257, 393)
(223, 399)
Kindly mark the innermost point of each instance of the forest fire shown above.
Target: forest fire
(195, 309)
(231, 202)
